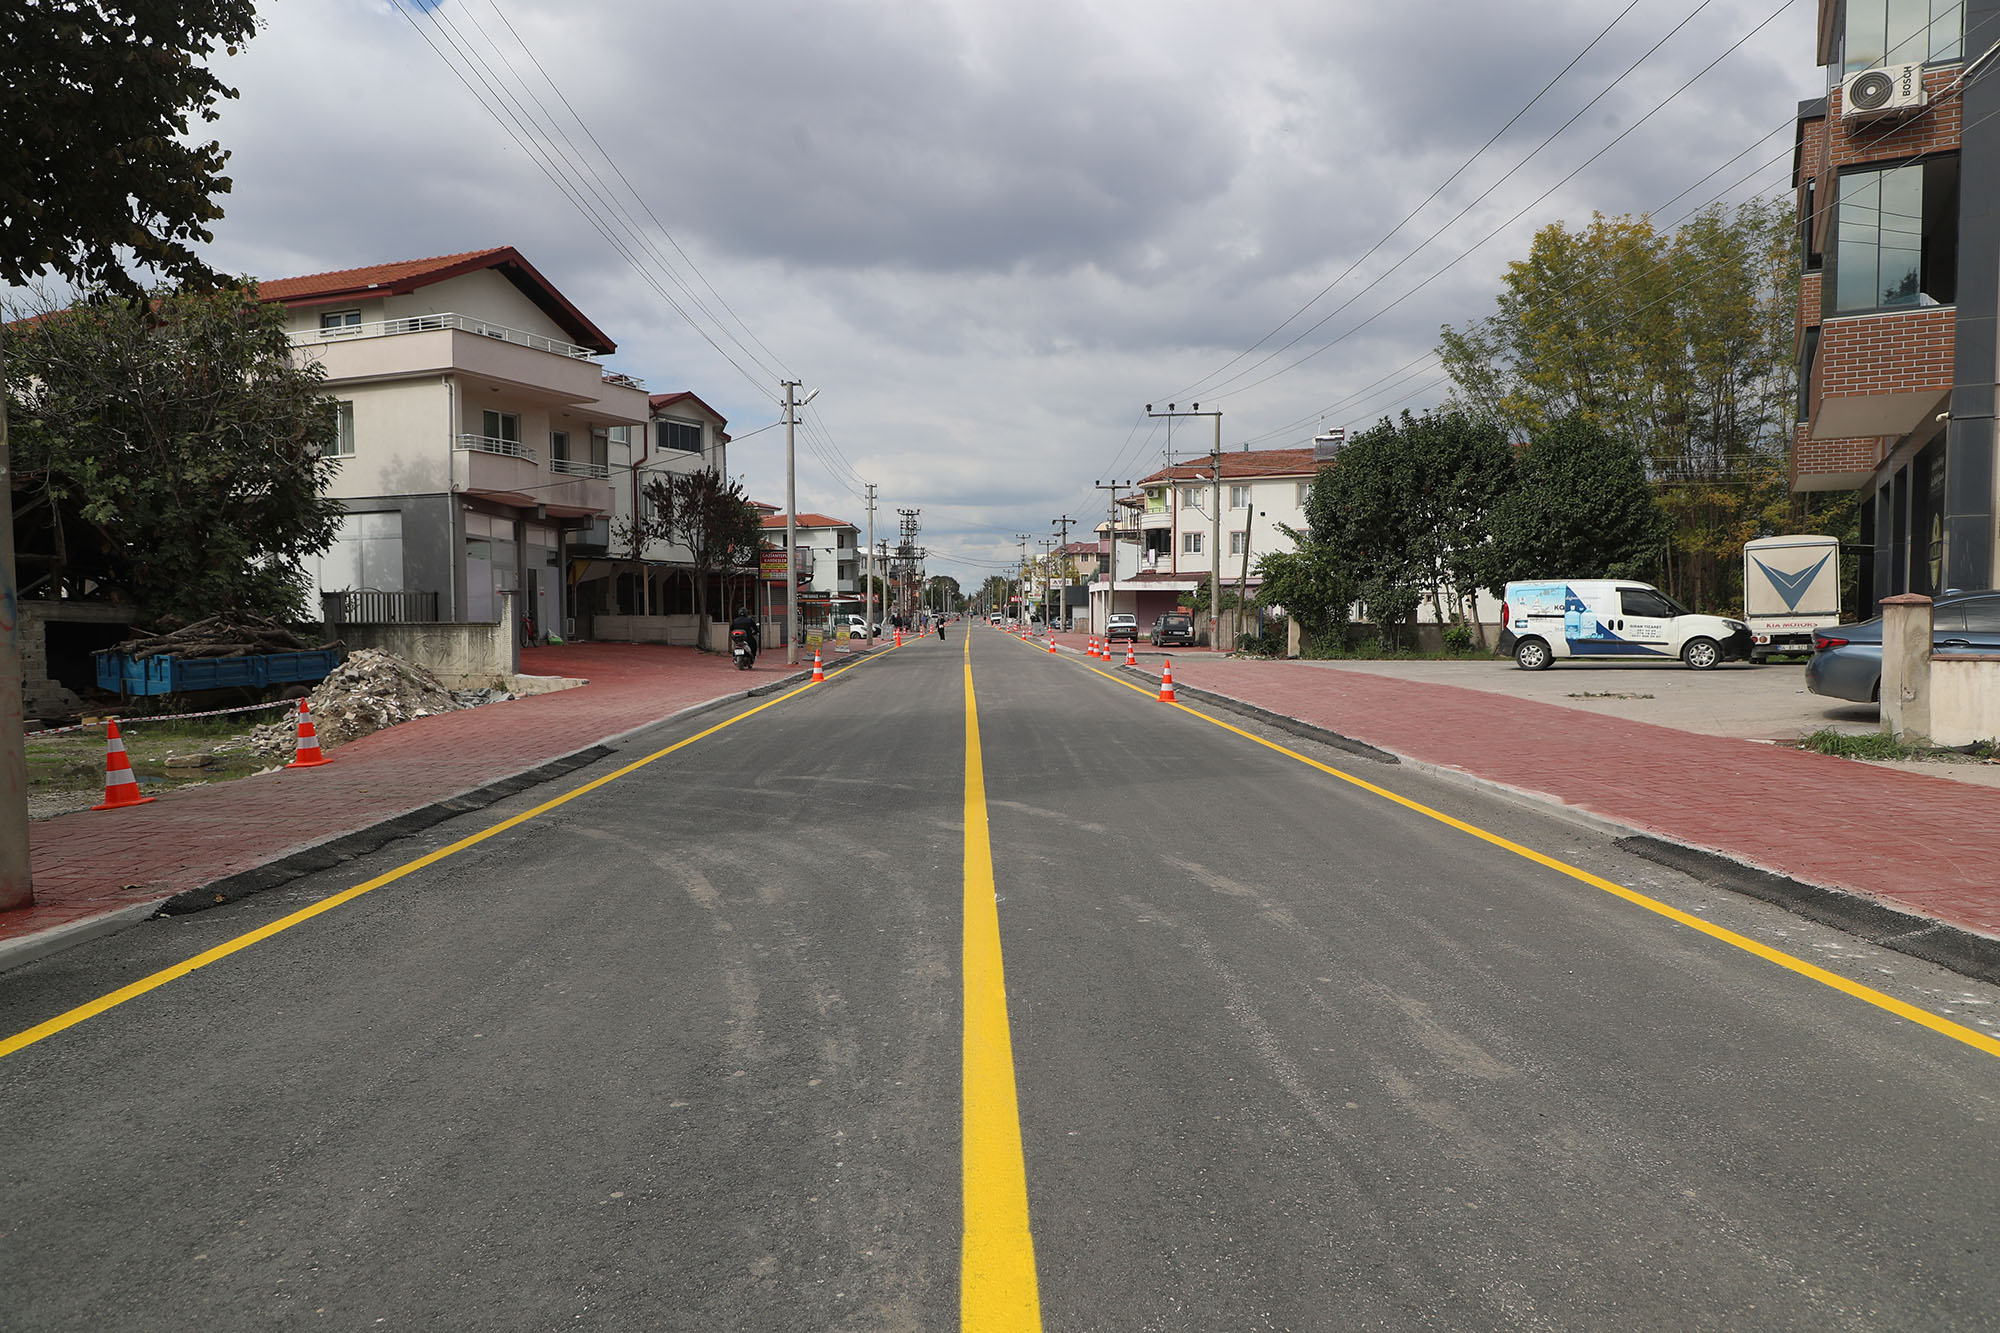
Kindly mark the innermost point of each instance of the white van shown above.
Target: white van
(1542, 621)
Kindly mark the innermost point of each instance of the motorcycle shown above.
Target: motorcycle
(743, 647)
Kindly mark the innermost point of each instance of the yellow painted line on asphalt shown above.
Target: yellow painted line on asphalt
(996, 1266)
(63, 1021)
(1923, 1018)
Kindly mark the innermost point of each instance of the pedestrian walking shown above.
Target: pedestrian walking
(940, 631)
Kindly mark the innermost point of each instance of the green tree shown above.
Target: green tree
(1312, 584)
(1580, 507)
(1681, 344)
(172, 446)
(1365, 506)
(710, 516)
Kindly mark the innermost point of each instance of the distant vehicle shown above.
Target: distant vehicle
(1611, 618)
(854, 627)
(1121, 626)
(1791, 587)
(993, 619)
(1847, 659)
(1175, 627)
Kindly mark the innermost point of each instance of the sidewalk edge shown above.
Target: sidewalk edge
(1956, 948)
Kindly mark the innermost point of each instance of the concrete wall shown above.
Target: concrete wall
(676, 630)
(464, 657)
(42, 694)
(1946, 699)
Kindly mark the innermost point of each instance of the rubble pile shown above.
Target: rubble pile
(218, 636)
(369, 691)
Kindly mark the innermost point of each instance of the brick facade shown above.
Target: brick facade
(1890, 351)
(1832, 458)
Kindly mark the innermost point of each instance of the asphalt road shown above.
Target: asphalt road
(688, 1051)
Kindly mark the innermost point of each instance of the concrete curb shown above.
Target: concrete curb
(1956, 948)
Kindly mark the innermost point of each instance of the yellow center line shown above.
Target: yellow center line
(102, 1003)
(1956, 1031)
(996, 1271)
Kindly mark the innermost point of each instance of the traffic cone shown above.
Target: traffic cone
(1132, 653)
(1167, 684)
(309, 754)
(1090, 646)
(1052, 643)
(899, 638)
(120, 787)
(819, 672)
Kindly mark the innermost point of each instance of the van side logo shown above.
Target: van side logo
(1792, 587)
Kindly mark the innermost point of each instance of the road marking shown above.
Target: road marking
(996, 1266)
(42, 1031)
(1923, 1018)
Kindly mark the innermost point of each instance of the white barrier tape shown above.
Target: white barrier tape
(164, 717)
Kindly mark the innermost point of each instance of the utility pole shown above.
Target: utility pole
(17, 885)
(1215, 516)
(1062, 554)
(868, 604)
(906, 560)
(792, 405)
(1111, 545)
(1022, 596)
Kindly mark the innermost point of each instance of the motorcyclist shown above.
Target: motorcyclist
(747, 625)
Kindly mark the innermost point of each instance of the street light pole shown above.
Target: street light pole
(868, 603)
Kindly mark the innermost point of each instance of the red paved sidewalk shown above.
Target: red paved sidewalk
(1924, 844)
(92, 863)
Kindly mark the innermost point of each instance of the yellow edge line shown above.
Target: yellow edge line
(93, 1008)
(996, 1271)
(1923, 1018)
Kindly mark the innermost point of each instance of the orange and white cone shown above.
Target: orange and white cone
(819, 672)
(1052, 643)
(1132, 653)
(1167, 684)
(120, 787)
(899, 638)
(309, 754)
(1090, 646)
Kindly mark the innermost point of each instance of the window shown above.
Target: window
(1895, 237)
(1237, 542)
(367, 552)
(559, 444)
(1806, 356)
(501, 426)
(1190, 543)
(1239, 497)
(1305, 493)
(680, 436)
(1193, 496)
(1809, 256)
(343, 432)
(1640, 602)
(338, 322)
(1902, 32)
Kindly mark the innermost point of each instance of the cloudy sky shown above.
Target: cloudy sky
(990, 231)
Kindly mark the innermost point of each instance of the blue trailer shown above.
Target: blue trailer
(164, 673)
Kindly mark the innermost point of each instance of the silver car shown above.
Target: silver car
(1847, 659)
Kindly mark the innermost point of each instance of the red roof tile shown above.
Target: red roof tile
(407, 275)
(808, 521)
(1242, 463)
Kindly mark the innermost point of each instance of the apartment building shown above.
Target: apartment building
(1181, 529)
(475, 429)
(1898, 176)
(829, 559)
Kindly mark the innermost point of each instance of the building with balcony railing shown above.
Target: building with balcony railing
(1897, 170)
(475, 429)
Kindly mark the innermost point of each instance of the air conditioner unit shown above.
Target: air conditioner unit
(1892, 90)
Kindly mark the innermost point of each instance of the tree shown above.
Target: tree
(941, 592)
(96, 93)
(169, 448)
(1580, 507)
(1681, 344)
(1311, 583)
(1365, 508)
(710, 516)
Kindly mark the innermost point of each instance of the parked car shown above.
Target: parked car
(855, 627)
(1847, 659)
(1545, 620)
(1122, 626)
(1174, 627)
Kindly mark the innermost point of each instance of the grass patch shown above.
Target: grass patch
(74, 761)
(1872, 745)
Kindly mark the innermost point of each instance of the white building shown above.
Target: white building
(475, 427)
(828, 557)
(1180, 528)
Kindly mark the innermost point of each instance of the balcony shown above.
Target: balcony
(505, 471)
(1881, 374)
(542, 370)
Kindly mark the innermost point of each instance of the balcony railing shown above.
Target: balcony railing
(388, 328)
(367, 606)
(576, 467)
(487, 444)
